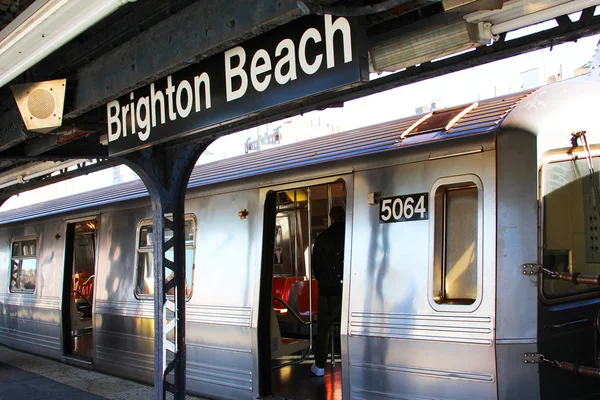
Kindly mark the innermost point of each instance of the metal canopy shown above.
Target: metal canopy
(146, 40)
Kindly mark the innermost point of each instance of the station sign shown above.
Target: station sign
(310, 55)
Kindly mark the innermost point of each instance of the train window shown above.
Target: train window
(292, 223)
(294, 235)
(571, 225)
(457, 244)
(145, 257)
(23, 265)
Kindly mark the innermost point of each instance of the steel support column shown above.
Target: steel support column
(165, 171)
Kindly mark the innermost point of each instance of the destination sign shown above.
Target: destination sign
(308, 56)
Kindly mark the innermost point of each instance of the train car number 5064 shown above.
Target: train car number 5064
(410, 207)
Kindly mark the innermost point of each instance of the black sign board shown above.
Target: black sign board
(409, 207)
(308, 56)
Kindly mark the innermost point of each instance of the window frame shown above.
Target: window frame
(437, 219)
(10, 268)
(548, 158)
(150, 249)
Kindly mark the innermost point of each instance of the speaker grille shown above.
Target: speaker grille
(41, 103)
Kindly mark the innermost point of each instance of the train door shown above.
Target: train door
(78, 289)
(569, 314)
(293, 220)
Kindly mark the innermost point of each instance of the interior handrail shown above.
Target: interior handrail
(82, 296)
(88, 280)
(294, 313)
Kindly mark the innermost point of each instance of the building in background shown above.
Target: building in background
(591, 70)
(292, 130)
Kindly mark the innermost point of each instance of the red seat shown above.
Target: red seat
(282, 285)
(282, 288)
(80, 285)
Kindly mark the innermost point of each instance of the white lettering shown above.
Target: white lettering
(309, 69)
(132, 108)
(184, 111)
(170, 90)
(125, 111)
(237, 71)
(289, 58)
(341, 24)
(420, 207)
(199, 80)
(157, 97)
(385, 208)
(315, 48)
(143, 124)
(113, 118)
(257, 69)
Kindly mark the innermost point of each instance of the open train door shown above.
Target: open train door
(288, 319)
(78, 289)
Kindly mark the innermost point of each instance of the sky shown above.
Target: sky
(481, 82)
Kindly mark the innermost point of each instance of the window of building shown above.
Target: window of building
(571, 225)
(457, 243)
(145, 257)
(23, 265)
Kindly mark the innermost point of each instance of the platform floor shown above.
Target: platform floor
(27, 377)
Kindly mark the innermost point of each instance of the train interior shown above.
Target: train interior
(300, 216)
(78, 296)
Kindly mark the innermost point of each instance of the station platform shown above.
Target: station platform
(27, 377)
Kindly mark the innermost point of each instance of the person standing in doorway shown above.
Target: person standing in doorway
(328, 267)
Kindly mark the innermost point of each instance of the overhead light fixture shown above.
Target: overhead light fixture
(44, 27)
(474, 29)
(516, 14)
(429, 43)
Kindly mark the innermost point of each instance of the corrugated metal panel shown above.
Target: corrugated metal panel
(107, 195)
(369, 140)
(488, 114)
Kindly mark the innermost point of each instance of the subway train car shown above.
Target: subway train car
(467, 231)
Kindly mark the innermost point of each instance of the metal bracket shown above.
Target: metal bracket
(532, 358)
(532, 269)
(373, 198)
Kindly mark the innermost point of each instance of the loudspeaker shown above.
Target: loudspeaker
(41, 104)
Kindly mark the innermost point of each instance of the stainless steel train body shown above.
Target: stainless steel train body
(435, 302)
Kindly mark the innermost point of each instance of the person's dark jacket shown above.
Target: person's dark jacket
(328, 260)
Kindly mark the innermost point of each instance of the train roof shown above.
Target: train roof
(473, 118)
